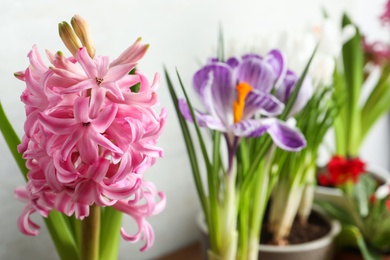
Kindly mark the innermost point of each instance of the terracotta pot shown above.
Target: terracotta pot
(335, 194)
(319, 249)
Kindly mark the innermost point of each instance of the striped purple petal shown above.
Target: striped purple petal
(215, 85)
(250, 127)
(286, 137)
(232, 62)
(202, 119)
(257, 73)
(288, 85)
(278, 62)
(263, 103)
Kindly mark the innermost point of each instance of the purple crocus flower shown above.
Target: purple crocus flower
(286, 88)
(238, 101)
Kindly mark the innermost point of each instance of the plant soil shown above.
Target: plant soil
(315, 228)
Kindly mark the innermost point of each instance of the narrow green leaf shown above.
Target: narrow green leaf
(62, 236)
(12, 141)
(189, 144)
(200, 137)
(297, 88)
(220, 48)
(351, 236)
(352, 54)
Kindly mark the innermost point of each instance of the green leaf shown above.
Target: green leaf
(363, 189)
(338, 212)
(135, 88)
(377, 103)
(298, 85)
(220, 48)
(340, 123)
(189, 144)
(351, 236)
(57, 224)
(352, 54)
(12, 141)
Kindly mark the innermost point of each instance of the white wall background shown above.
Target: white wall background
(181, 33)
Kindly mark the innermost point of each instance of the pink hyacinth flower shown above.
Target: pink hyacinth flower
(89, 138)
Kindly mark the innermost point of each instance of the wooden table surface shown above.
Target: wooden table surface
(190, 252)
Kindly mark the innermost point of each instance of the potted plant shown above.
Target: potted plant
(240, 106)
(294, 173)
(290, 207)
(359, 62)
(365, 213)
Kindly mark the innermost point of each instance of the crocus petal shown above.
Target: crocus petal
(250, 127)
(286, 137)
(215, 85)
(250, 56)
(232, 62)
(257, 73)
(287, 87)
(264, 103)
(203, 119)
(304, 95)
(278, 62)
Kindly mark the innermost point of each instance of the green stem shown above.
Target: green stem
(61, 236)
(110, 228)
(260, 199)
(90, 235)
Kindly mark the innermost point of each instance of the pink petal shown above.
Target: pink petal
(87, 63)
(81, 110)
(132, 54)
(105, 118)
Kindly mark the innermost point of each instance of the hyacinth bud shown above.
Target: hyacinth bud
(69, 38)
(81, 28)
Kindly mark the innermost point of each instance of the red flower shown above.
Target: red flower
(342, 170)
(372, 198)
(376, 52)
(324, 180)
(385, 17)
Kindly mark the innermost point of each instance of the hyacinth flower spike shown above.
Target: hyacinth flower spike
(89, 137)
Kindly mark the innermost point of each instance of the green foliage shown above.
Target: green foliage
(355, 120)
(365, 216)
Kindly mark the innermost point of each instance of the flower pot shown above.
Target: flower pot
(323, 193)
(319, 249)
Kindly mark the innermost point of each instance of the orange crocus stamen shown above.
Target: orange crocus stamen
(243, 89)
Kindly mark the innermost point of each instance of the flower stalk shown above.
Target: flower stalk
(90, 235)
